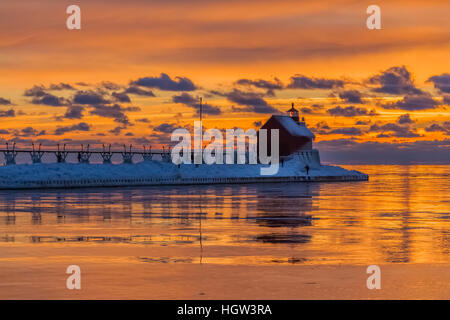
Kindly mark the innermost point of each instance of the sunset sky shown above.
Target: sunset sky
(135, 71)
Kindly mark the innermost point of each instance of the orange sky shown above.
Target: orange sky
(214, 44)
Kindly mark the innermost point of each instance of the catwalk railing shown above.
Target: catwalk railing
(83, 154)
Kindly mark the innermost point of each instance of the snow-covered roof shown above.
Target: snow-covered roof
(295, 129)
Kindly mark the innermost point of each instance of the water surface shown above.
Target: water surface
(400, 216)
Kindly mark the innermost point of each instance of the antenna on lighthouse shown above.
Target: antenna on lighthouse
(198, 133)
(201, 108)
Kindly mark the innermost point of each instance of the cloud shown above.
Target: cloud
(185, 98)
(302, 82)
(108, 85)
(441, 82)
(116, 131)
(29, 132)
(445, 127)
(190, 101)
(362, 123)
(89, 97)
(139, 91)
(395, 80)
(405, 119)
(60, 86)
(164, 82)
(413, 102)
(4, 131)
(144, 120)
(82, 126)
(121, 97)
(322, 128)
(35, 91)
(74, 112)
(166, 128)
(7, 113)
(394, 130)
(49, 100)
(270, 86)
(40, 96)
(351, 96)
(4, 101)
(99, 104)
(253, 101)
(115, 111)
(350, 111)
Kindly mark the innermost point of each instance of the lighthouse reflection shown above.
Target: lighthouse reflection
(287, 211)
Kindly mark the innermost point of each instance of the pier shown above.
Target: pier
(84, 171)
(83, 154)
(170, 181)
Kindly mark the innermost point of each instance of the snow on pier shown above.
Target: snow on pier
(73, 175)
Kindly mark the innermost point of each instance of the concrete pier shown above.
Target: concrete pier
(89, 183)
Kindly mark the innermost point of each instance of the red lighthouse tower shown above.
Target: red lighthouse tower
(293, 133)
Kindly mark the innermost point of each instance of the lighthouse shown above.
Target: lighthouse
(294, 134)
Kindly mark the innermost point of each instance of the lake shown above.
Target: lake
(249, 241)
